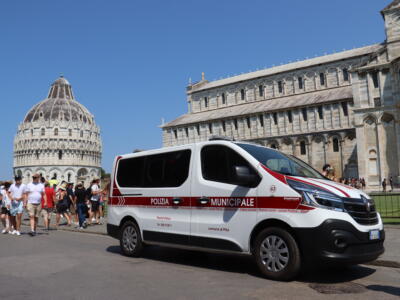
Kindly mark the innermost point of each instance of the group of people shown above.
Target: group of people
(79, 205)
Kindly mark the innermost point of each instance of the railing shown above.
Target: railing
(387, 204)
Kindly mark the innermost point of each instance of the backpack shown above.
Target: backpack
(89, 193)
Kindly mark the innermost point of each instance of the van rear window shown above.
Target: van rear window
(160, 170)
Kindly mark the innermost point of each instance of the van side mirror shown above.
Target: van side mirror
(244, 176)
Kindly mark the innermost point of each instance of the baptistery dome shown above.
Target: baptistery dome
(58, 138)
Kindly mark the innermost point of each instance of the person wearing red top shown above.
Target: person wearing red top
(48, 204)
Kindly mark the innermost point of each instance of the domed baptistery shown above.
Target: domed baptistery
(58, 138)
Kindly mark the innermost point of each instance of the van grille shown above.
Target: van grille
(363, 210)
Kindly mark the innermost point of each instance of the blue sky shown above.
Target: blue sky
(130, 61)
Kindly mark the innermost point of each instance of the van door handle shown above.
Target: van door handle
(177, 201)
(203, 200)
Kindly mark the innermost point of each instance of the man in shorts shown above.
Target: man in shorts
(17, 190)
(94, 201)
(34, 192)
(48, 204)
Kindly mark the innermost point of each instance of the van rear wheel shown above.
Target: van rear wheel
(130, 239)
(277, 254)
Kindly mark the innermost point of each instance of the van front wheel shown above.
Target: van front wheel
(277, 254)
(130, 239)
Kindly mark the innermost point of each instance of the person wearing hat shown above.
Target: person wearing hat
(5, 207)
(34, 192)
(17, 190)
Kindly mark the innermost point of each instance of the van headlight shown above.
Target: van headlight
(317, 197)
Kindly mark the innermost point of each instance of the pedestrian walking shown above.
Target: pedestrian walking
(81, 207)
(18, 200)
(34, 192)
(391, 183)
(62, 206)
(384, 184)
(72, 204)
(94, 201)
(5, 208)
(48, 205)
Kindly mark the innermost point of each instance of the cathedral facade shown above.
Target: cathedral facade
(341, 109)
(58, 138)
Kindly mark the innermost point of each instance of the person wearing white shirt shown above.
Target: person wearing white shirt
(5, 207)
(34, 192)
(17, 202)
(95, 202)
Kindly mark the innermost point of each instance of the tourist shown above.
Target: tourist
(325, 170)
(17, 190)
(62, 206)
(103, 200)
(94, 202)
(81, 208)
(48, 205)
(53, 182)
(384, 184)
(391, 183)
(363, 184)
(72, 204)
(5, 206)
(34, 192)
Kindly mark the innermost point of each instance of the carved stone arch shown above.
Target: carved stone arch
(273, 143)
(369, 119)
(287, 141)
(318, 138)
(386, 118)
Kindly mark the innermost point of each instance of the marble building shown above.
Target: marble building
(58, 137)
(341, 108)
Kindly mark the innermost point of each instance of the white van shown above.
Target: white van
(243, 198)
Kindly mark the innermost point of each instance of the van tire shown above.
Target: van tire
(277, 254)
(130, 239)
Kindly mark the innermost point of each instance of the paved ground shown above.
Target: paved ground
(70, 265)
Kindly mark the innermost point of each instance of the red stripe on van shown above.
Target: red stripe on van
(277, 175)
(332, 186)
(243, 203)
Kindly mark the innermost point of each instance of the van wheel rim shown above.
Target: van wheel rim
(274, 253)
(129, 238)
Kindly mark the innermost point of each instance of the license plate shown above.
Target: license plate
(374, 235)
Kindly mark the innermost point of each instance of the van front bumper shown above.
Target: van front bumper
(337, 241)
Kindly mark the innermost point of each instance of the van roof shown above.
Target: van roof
(185, 146)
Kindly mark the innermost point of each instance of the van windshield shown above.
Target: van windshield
(279, 162)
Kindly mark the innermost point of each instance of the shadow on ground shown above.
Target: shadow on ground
(245, 264)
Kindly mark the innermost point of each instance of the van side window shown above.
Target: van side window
(161, 170)
(218, 162)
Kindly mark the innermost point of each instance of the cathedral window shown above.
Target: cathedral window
(205, 102)
(320, 112)
(275, 117)
(32, 132)
(375, 79)
(261, 90)
(81, 133)
(289, 115)
(242, 94)
(261, 119)
(300, 81)
(42, 131)
(70, 132)
(175, 133)
(235, 123)
(304, 113)
(223, 98)
(345, 75)
(210, 128)
(335, 145)
(187, 132)
(303, 150)
(321, 78)
(198, 129)
(69, 177)
(248, 122)
(41, 114)
(345, 109)
(56, 131)
(280, 87)
(223, 126)
(60, 154)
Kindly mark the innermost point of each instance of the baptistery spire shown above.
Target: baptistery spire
(61, 88)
